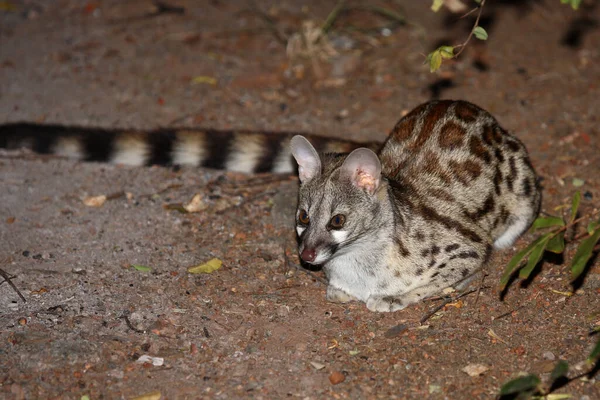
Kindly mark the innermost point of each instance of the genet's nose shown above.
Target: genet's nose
(308, 255)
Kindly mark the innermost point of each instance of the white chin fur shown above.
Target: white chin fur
(300, 229)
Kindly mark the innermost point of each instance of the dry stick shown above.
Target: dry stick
(462, 46)
(449, 300)
(7, 279)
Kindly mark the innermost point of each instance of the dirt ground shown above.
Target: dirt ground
(259, 327)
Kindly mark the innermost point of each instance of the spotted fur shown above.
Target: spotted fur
(422, 214)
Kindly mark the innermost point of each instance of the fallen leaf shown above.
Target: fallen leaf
(196, 205)
(204, 79)
(475, 369)
(141, 268)
(495, 336)
(148, 396)
(206, 268)
(156, 361)
(95, 201)
(316, 365)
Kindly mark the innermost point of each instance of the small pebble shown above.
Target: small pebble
(395, 331)
(22, 321)
(588, 195)
(336, 377)
(548, 355)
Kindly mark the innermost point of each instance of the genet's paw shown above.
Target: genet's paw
(385, 303)
(338, 296)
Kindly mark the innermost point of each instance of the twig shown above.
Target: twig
(299, 268)
(448, 300)
(130, 325)
(333, 16)
(464, 44)
(507, 313)
(7, 278)
(483, 276)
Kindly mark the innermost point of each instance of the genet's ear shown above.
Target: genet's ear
(309, 163)
(363, 168)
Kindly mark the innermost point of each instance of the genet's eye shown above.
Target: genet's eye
(337, 222)
(303, 217)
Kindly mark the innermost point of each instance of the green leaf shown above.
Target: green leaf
(516, 261)
(142, 268)
(480, 33)
(575, 4)
(535, 256)
(557, 396)
(560, 370)
(595, 354)
(583, 254)
(546, 222)
(557, 243)
(437, 4)
(435, 60)
(447, 52)
(575, 205)
(518, 385)
(592, 226)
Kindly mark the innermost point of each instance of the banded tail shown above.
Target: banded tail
(241, 151)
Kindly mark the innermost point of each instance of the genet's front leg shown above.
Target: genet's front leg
(336, 295)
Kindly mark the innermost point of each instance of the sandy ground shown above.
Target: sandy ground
(258, 327)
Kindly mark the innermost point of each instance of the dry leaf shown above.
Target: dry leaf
(95, 201)
(207, 267)
(196, 205)
(148, 396)
(475, 369)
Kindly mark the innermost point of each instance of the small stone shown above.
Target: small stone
(548, 355)
(588, 195)
(336, 377)
(26, 253)
(22, 321)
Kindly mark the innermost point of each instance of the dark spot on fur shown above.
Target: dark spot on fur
(452, 247)
(435, 112)
(431, 263)
(498, 154)
(466, 111)
(513, 145)
(488, 135)
(397, 273)
(478, 149)
(452, 136)
(442, 266)
(441, 194)
(391, 300)
(526, 187)
(382, 285)
(419, 271)
(435, 250)
(424, 253)
(432, 215)
(498, 181)
(499, 133)
(464, 272)
(433, 167)
(402, 248)
(404, 128)
(465, 172)
(419, 236)
(487, 207)
(466, 254)
(488, 253)
(434, 274)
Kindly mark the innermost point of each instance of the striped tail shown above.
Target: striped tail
(241, 151)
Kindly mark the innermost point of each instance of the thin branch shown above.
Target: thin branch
(447, 301)
(464, 44)
(7, 278)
